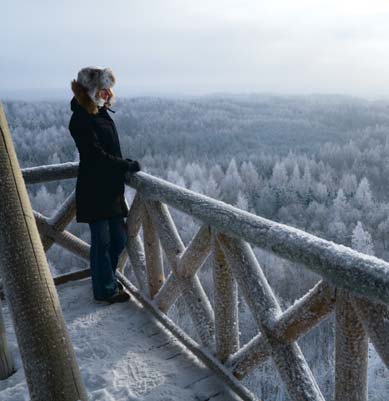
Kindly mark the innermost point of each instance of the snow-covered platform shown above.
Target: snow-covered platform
(124, 354)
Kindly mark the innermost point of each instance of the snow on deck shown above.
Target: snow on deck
(124, 354)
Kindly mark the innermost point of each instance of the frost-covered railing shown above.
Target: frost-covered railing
(353, 285)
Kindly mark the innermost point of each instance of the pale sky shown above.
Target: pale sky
(194, 47)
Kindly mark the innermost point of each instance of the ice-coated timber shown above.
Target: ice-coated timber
(194, 296)
(136, 253)
(375, 320)
(63, 216)
(153, 253)
(63, 238)
(51, 172)
(6, 360)
(122, 260)
(299, 318)
(306, 312)
(134, 245)
(167, 231)
(351, 352)
(48, 357)
(225, 305)
(134, 217)
(191, 260)
(288, 358)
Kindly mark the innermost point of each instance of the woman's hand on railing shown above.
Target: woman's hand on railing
(133, 166)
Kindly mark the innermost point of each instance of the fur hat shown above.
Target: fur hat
(89, 81)
(96, 78)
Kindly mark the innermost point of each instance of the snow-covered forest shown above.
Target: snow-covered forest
(319, 163)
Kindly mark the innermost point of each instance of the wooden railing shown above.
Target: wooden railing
(353, 285)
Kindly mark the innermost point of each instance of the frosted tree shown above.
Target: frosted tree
(193, 171)
(196, 186)
(179, 164)
(363, 196)
(327, 178)
(174, 177)
(279, 178)
(349, 184)
(279, 184)
(217, 173)
(242, 202)
(383, 232)
(249, 176)
(44, 202)
(361, 240)
(295, 179)
(306, 185)
(337, 227)
(211, 188)
(320, 192)
(338, 231)
(266, 203)
(317, 217)
(54, 159)
(340, 205)
(231, 183)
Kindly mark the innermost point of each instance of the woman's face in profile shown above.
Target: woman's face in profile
(104, 94)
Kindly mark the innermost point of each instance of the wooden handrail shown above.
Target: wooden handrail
(342, 266)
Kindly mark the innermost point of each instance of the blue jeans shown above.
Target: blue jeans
(108, 238)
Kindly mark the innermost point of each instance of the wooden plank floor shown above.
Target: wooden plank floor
(124, 354)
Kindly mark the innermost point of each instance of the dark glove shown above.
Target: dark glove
(133, 166)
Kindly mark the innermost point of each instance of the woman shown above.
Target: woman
(100, 198)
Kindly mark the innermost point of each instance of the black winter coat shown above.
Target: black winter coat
(100, 180)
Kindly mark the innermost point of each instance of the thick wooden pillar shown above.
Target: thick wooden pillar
(49, 361)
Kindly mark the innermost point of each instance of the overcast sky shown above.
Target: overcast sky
(198, 46)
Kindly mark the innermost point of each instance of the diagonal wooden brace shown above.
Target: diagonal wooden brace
(62, 218)
(298, 319)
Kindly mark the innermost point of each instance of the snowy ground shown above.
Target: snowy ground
(124, 354)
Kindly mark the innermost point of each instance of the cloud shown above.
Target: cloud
(298, 46)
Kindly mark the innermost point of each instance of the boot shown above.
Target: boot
(119, 296)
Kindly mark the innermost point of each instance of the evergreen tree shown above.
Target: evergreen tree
(340, 205)
(231, 183)
(242, 202)
(361, 240)
(363, 196)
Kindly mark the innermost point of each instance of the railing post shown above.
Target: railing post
(225, 305)
(351, 352)
(134, 245)
(153, 253)
(49, 361)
